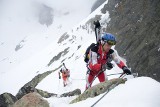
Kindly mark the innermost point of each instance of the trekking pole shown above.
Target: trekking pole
(78, 79)
(121, 76)
(64, 66)
(97, 30)
(59, 83)
(59, 79)
(106, 75)
(114, 74)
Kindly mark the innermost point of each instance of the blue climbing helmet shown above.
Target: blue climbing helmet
(109, 38)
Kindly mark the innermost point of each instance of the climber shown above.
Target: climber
(65, 75)
(100, 57)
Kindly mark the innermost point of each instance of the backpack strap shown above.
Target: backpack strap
(61, 70)
(109, 55)
(95, 48)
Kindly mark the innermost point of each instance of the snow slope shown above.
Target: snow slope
(22, 35)
(136, 92)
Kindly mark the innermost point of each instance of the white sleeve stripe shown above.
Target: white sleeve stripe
(93, 57)
(115, 58)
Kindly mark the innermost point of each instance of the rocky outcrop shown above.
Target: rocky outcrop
(63, 37)
(99, 89)
(136, 25)
(30, 86)
(31, 100)
(45, 94)
(71, 93)
(60, 54)
(25, 90)
(7, 100)
(97, 4)
(29, 96)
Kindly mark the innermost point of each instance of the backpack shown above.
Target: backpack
(86, 55)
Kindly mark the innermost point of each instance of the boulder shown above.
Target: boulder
(7, 99)
(31, 100)
(30, 86)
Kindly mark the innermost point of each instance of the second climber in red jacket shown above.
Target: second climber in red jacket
(65, 75)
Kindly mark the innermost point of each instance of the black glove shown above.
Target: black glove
(109, 65)
(126, 70)
(59, 77)
(97, 24)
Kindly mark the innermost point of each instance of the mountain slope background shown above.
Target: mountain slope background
(27, 27)
(69, 48)
(137, 26)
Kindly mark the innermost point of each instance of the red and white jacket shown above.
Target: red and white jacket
(97, 58)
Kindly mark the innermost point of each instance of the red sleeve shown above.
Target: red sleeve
(121, 64)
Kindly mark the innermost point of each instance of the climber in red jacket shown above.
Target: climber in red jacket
(65, 75)
(100, 57)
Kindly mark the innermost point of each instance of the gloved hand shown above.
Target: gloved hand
(59, 77)
(126, 70)
(97, 24)
(109, 65)
(103, 67)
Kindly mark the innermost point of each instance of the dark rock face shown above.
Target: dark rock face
(57, 57)
(63, 37)
(19, 46)
(136, 25)
(97, 4)
(7, 100)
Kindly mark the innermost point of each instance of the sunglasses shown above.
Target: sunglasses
(111, 42)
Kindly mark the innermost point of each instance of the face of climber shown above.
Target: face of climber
(106, 47)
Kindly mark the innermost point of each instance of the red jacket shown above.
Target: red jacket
(99, 58)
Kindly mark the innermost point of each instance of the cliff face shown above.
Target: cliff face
(97, 4)
(136, 25)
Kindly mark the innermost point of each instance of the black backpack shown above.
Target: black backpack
(86, 57)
